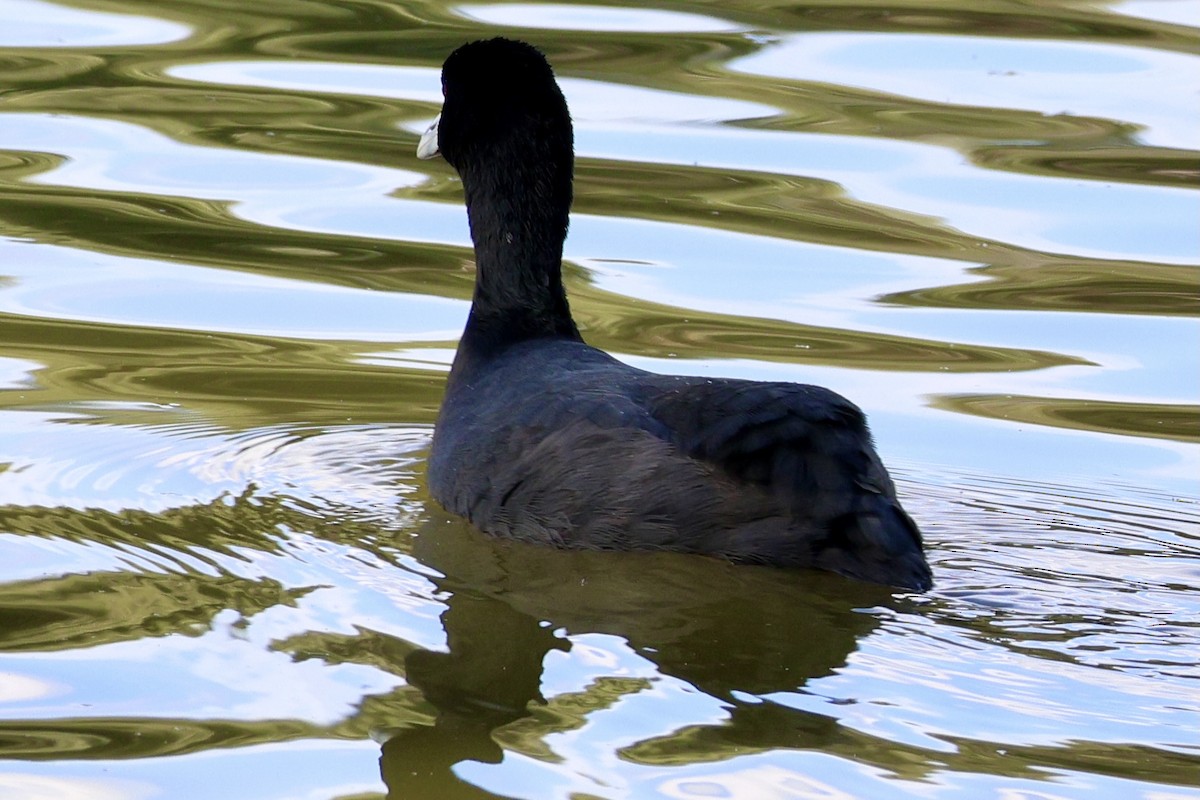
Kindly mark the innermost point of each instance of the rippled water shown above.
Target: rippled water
(229, 294)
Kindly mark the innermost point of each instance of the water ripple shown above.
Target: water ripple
(230, 294)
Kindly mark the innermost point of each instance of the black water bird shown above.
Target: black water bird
(543, 438)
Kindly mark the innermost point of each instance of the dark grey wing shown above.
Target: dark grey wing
(810, 450)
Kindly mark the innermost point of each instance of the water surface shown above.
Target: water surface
(230, 293)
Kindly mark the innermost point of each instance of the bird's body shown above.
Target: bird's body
(543, 438)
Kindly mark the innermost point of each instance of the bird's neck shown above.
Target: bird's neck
(518, 225)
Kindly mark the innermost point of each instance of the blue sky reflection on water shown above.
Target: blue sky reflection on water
(1063, 215)
(1179, 12)
(87, 287)
(32, 23)
(594, 18)
(1140, 86)
(115, 156)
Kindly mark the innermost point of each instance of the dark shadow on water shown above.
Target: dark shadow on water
(729, 632)
(489, 677)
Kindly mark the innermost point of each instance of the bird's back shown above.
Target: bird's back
(557, 442)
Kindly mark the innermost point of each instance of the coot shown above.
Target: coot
(543, 438)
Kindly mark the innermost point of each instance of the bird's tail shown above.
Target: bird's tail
(879, 542)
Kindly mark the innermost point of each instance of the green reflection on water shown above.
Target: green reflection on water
(765, 727)
(101, 738)
(78, 611)
(648, 329)
(234, 380)
(1154, 166)
(1155, 420)
(1119, 288)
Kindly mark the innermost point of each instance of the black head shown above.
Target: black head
(502, 102)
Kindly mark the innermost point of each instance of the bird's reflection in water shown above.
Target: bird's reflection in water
(488, 678)
(735, 633)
